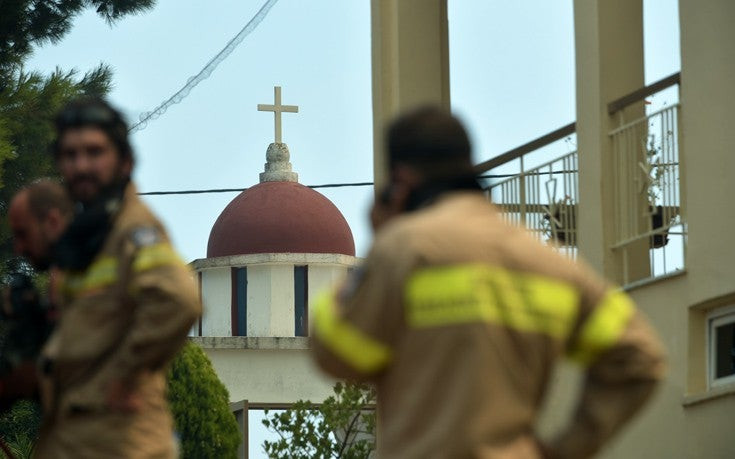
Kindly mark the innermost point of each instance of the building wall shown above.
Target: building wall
(270, 290)
(216, 292)
(270, 365)
(270, 300)
(686, 418)
(269, 372)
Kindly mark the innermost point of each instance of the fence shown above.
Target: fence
(647, 182)
(543, 198)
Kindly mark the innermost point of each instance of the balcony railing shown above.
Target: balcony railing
(538, 188)
(649, 220)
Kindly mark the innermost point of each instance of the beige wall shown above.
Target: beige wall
(609, 64)
(686, 419)
(267, 371)
(410, 63)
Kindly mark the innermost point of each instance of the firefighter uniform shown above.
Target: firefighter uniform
(122, 320)
(459, 318)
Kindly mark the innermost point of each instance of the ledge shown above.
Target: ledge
(654, 280)
(712, 394)
(275, 258)
(251, 342)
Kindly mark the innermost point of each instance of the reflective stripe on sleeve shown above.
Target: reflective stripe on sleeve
(101, 273)
(154, 256)
(480, 293)
(604, 327)
(349, 343)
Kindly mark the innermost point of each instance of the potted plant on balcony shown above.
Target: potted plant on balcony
(560, 222)
(661, 216)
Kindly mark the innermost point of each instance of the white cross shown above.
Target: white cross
(277, 109)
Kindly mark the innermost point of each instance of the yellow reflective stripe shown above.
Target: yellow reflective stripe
(480, 293)
(349, 343)
(604, 327)
(101, 273)
(155, 255)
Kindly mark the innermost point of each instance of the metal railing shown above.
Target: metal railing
(542, 197)
(647, 178)
(650, 228)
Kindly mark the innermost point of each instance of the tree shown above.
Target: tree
(27, 106)
(199, 404)
(28, 100)
(343, 427)
(25, 23)
(201, 408)
(19, 427)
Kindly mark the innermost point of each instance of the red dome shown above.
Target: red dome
(280, 217)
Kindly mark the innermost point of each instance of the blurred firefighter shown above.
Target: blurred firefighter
(459, 318)
(127, 302)
(38, 214)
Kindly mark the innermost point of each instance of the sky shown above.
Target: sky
(512, 80)
(516, 86)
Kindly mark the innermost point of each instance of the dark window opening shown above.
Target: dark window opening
(239, 301)
(301, 299)
(725, 350)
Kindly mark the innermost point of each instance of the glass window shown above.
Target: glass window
(722, 348)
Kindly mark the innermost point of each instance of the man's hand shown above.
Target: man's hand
(123, 398)
(392, 201)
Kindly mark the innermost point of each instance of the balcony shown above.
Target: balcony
(536, 185)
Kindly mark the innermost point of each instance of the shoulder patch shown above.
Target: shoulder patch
(144, 236)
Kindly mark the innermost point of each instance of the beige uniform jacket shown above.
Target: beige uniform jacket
(459, 320)
(122, 320)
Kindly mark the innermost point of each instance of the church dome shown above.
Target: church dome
(280, 217)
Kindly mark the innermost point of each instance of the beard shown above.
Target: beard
(86, 188)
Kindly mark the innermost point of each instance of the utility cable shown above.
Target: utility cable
(326, 185)
(206, 71)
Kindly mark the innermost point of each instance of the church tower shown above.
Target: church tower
(273, 248)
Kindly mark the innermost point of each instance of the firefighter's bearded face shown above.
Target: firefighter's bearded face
(89, 162)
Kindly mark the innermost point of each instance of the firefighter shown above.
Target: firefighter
(127, 302)
(459, 318)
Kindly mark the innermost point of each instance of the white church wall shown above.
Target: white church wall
(216, 298)
(267, 371)
(324, 277)
(270, 300)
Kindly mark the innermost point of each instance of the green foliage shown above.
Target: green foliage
(200, 405)
(339, 428)
(29, 100)
(27, 107)
(19, 427)
(25, 23)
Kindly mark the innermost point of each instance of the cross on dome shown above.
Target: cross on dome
(277, 109)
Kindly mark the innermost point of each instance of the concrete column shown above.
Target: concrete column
(410, 58)
(270, 301)
(609, 54)
(217, 298)
(707, 131)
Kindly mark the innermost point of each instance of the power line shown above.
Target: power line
(207, 70)
(233, 190)
(325, 185)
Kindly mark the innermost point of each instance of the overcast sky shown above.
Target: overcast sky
(512, 80)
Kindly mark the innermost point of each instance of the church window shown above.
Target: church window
(301, 295)
(239, 301)
(721, 338)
